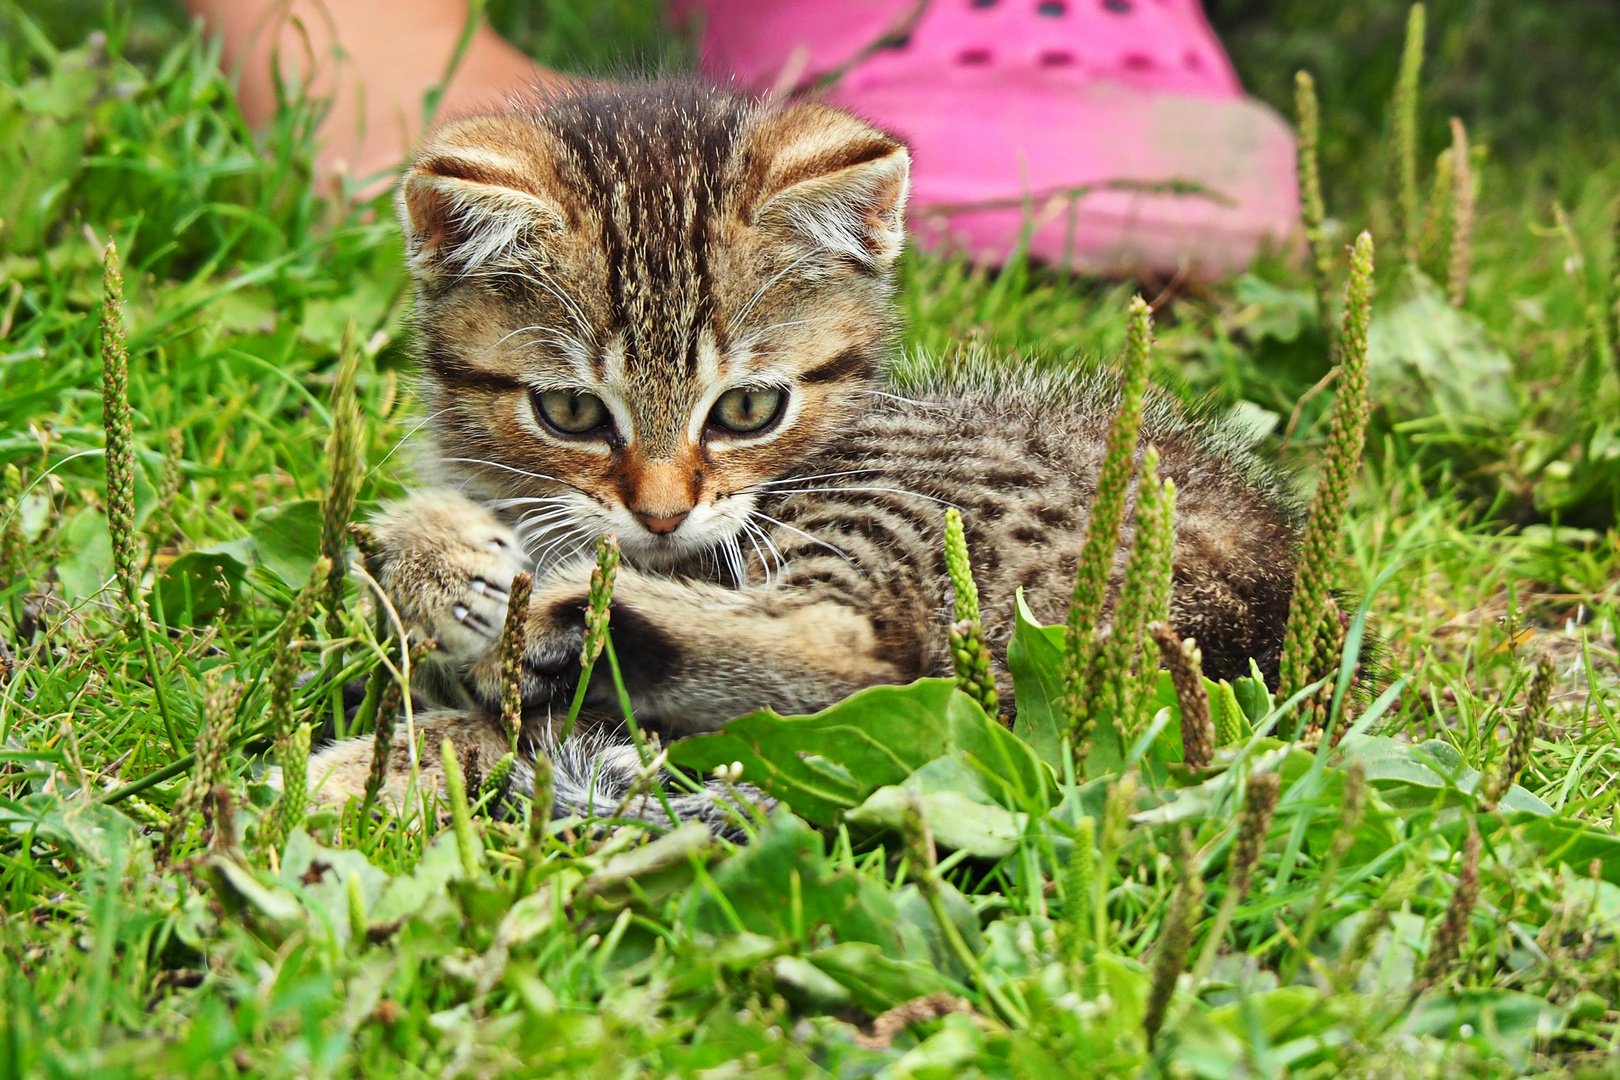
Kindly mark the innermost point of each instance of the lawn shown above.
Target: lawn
(1409, 868)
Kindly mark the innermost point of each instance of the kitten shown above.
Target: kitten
(664, 311)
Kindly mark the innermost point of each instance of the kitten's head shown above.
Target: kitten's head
(638, 305)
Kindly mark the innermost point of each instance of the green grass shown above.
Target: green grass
(1481, 540)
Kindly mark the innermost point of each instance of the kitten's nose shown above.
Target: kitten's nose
(664, 524)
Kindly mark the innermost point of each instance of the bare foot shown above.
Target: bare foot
(375, 60)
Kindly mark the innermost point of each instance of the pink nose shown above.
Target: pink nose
(662, 525)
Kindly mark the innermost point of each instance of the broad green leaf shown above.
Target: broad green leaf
(196, 587)
(650, 873)
(1410, 775)
(1286, 1012)
(957, 822)
(1427, 358)
(879, 982)
(761, 880)
(873, 738)
(808, 986)
(319, 877)
(423, 893)
(1193, 803)
(1254, 699)
(1520, 1020)
(921, 935)
(88, 566)
(1267, 310)
(287, 539)
(952, 1049)
(1572, 842)
(267, 906)
(1035, 659)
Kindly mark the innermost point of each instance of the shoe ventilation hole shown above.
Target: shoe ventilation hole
(1192, 61)
(981, 4)
(1057, 58)
(973, 57)
(1137, 62)
(1118, 7)
(1052, 9)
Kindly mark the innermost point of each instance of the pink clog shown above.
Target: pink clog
(1116, 129)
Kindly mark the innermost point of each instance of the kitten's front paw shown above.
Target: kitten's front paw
(448, 565)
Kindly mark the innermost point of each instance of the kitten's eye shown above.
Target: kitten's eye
(747, 409)
(571, 412)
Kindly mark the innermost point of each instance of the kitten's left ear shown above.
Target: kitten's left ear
(827, 179)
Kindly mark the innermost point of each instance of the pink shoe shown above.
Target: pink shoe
(1011, 105)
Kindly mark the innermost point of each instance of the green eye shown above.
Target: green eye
(747, 409)
(571, 412)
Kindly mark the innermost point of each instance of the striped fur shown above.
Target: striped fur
(654, 249)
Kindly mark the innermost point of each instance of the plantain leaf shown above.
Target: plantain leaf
(759, 884)
(287, 539)
(1035, 658)
(832, 761)
(196, 587)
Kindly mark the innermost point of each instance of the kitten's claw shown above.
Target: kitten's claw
(472, 620)
(485, 588)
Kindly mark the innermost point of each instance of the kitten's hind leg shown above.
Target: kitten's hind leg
(596, 774)
(340, 771)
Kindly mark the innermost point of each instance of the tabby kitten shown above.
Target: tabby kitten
(665, 312)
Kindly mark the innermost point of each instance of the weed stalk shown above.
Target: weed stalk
(1524, 736)
(493, 789)
(1175, 939)
(920, 856)
(1116, 823)
(169, 484)
(1079, 887)
(1340, 464)
(514, 636)
(359, 928)
(13, 542)
(542, 799)
(598, 613)
(213, 742)
(1405, 120)
(969, 651)
(455, 793)
(1432, 237)
(1314, 209)
(343, 450)
(390, 701)
(1390, 900)
(120, 435)
(1453, 929)
(1254, 826)
(1144, 598)
(1351, 810)
(1081, 637)
(1461, 260)
(1185, 662)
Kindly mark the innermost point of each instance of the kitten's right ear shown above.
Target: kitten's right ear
(469, 205)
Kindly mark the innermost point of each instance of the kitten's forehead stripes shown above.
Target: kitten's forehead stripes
(652, 177)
